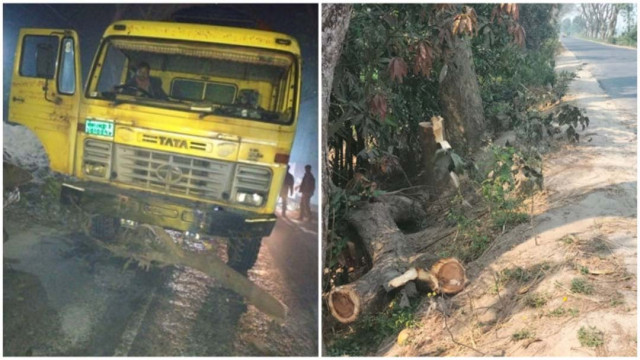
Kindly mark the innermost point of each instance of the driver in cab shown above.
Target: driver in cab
(145, 85)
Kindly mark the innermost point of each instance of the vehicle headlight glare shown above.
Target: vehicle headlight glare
(252, 199)
(95, 169)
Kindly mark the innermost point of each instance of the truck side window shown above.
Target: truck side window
(67, 78)
(38, 48)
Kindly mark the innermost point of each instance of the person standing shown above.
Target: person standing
(306, 188)
(286, 191)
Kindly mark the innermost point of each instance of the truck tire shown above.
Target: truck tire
(242, 253)
(104, 228)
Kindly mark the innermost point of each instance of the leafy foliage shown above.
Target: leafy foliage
(465, 22)
(571, 115)
(500, 46)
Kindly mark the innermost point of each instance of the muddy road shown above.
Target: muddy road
(64, 298)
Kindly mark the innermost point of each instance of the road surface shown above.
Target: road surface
(614, 67)
(62, 298)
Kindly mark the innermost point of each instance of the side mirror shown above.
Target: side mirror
(45, 61)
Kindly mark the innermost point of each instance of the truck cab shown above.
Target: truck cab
(184, 126)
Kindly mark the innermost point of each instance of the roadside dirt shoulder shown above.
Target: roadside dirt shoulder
(566, 284)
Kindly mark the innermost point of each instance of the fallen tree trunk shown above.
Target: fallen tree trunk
(384, 243)
(157, 246)
(376, 223)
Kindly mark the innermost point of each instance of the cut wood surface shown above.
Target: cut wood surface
(447, 276)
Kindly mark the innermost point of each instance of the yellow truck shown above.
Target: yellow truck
(184, 126)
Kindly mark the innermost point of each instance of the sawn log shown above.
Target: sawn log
(376, 223)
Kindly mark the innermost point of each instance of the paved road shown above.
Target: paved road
(614, 67)
(62, 298)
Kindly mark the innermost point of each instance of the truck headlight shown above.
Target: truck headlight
(253, 199)
(95, 169)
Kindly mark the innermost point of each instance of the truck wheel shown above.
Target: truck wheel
(243, 253)
(104, 228)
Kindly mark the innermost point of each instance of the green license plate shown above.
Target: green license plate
(98, 127)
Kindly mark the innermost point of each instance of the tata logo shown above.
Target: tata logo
(169, 174)
(176, 143)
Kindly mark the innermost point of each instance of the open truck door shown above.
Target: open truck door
(46, 90)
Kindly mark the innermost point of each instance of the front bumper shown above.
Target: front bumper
(167, 212)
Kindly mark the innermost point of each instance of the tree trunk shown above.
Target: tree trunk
(335, 23)
(385, 244)
(460, 98)
(429, 148)
(394, 263)
(613, 21)
(149, 244)
(432, 139)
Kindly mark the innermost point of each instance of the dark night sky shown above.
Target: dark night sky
(90, 21)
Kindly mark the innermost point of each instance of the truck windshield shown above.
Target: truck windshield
(211, 79)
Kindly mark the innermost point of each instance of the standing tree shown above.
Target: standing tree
(459, 90)
(335, 22)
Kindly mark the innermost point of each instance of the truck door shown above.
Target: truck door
(46, 90)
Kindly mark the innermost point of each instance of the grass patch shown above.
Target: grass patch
(519, 275)
(560, 312)
(522, 334)
(567, 239)
(581, 286)
(473, 238)
(590, 337)
(616, 300)
(584, 270)
(503, 218)
(535, 300)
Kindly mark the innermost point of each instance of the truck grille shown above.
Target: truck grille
(173, 174)
(97, 153)
(252, 179)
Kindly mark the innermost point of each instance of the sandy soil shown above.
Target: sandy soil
(521, 299)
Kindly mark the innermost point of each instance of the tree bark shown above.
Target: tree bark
(432, 139)
(335, 23)
(460, 98)
(429, 148)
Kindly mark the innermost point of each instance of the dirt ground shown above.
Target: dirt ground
(566, 283)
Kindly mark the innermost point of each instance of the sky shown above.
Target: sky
(90, 21)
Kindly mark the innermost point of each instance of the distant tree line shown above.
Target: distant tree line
(599, 21)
